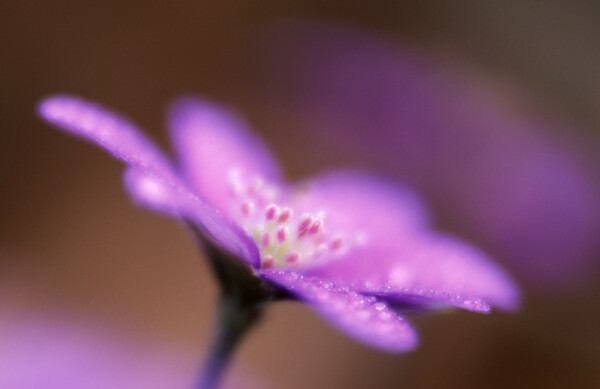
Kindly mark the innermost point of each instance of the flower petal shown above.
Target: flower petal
(109, 131)
(360, 201)
(399, 257)
(210, 142)
(362, 317)
(427, 268)
(158, 195)
(153, 182)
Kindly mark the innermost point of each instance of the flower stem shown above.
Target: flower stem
(234, 321)
(244, 295)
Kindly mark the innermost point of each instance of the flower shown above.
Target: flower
(356, 248)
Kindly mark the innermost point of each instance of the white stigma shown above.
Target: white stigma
(284, 239)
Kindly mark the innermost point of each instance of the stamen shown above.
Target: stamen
(315, 227)
(305, 223)
(268, 262)
(282, 234)
(271, 212)
(283, 239)
(286, 213)
(292, 258)
(265, 240)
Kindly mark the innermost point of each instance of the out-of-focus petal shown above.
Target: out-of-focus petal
(398, 256)
(109, 131)
(210, 141)
(67, 351)
(427, 268)
(151, 179)
(366, 319)
(353, 200)
(158, 195)
(49, 352)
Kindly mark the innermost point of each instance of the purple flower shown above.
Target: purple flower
(356, 248)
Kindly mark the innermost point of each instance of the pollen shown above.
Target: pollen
(285, 238)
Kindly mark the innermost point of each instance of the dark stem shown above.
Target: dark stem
(234, 321)
(244, 295)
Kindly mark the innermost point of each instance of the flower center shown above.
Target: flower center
(285, 239)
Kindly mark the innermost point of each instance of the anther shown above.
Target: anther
(271, 212)
(315, 226)
(268, 262)
(286, 213)
(292, 258)
(265, 240)
(305, 223)
(282, 234)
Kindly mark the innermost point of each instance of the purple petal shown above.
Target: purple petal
(400, 258)
(109, 131)
(427, 268)
(64, 350)
(362, 317)
(210, 142)
(354, 200)
(153, 181)
(46, 351)
(158, 195)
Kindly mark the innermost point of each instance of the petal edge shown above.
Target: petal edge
(364, 318)
(211, 141)
(155, 194)
(108, 130)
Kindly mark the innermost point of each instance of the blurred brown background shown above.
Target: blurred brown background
(71, 241)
